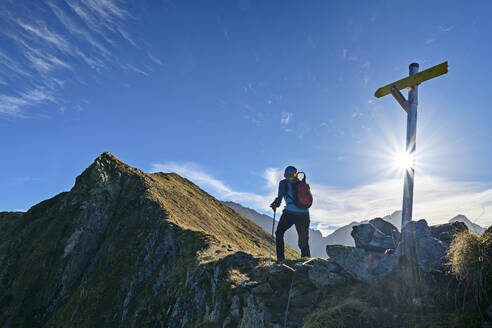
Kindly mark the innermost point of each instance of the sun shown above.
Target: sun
(403, 160)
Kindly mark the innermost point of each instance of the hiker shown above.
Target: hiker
(295, 212)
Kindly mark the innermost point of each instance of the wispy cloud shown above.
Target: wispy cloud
(127, 36)
(76, 30)
(12, 65)
(136, 69)
(12, 105)
(429, 41)
(206, 181)
(154, 58)
(43, 33)
(285, 117)
(41, 60)
(102, 16)
(89, 20)
(436, 199)
(53, 40)
(349, 55)
(106, 8)
(443, 29)
(46, 62)
(93, 63)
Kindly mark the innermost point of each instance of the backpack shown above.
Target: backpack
(302, 193)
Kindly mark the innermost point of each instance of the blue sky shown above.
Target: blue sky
(228, 93)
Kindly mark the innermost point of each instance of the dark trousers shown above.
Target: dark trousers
(301, 222)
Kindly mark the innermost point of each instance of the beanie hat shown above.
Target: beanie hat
(290, 171)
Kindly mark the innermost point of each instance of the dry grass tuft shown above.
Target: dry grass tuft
(470, 256)
(470, 259)
(352, 313)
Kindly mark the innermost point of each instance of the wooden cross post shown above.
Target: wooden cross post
(410, 106)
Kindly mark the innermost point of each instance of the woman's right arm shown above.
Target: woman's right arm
(281, 192)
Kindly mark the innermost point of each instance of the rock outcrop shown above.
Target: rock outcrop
(377, 235)
(382, 250)
(387, 228)
(342, 235)
(326, 273)
(445, 232)
(418, 247)
(361, 264)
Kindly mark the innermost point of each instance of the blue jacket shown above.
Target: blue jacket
(286, 191)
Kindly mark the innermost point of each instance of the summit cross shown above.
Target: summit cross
(410, 106)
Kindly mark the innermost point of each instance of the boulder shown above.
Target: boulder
(367, 236)
(325, 273)
(419, 248)
(326, 278)
(362, 264)
(387, 228)
(445, 232)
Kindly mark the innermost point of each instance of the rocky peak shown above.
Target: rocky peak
(106, 173)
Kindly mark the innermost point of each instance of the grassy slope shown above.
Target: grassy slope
(192, 208)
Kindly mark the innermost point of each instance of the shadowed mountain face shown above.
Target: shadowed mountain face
(121, 248)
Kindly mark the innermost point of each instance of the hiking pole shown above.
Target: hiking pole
(288, 301)
(271, 241)
(286, 315)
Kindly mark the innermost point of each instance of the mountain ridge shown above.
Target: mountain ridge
(117, 245)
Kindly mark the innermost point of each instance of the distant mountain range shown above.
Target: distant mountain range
(341, 236)
(317, 242)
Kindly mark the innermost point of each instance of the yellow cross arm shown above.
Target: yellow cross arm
(414, 79)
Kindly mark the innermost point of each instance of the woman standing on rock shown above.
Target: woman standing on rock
(298, 199)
